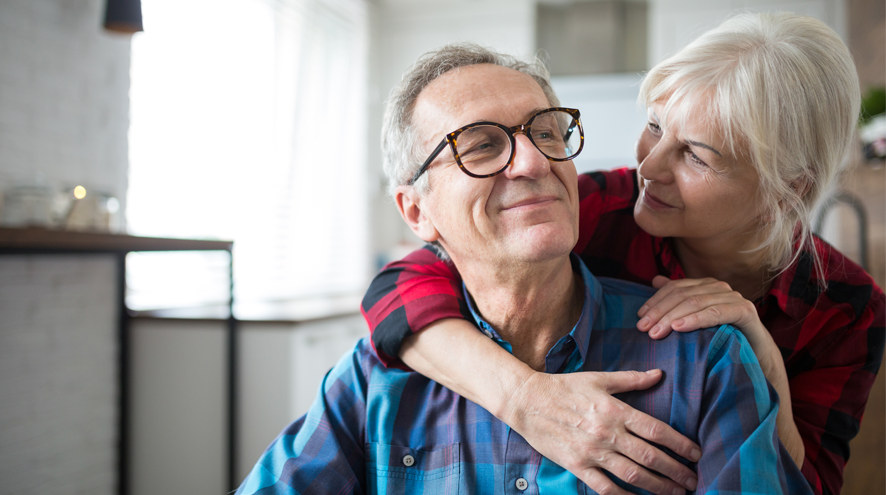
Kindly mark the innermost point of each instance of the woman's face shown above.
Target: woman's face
(691, 186)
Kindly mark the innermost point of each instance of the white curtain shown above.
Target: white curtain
(249, 123)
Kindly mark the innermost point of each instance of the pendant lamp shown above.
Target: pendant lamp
(123, 16)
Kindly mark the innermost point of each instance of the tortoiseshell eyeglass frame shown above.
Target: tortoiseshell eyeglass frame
(452, 140)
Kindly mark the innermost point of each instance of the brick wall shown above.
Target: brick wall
(64, 115)
(64, 96)
(57, 375)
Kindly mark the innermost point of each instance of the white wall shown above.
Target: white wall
(674, 23)
(179, 405)
(63, 115)
(64, 96)
(58, 393)
(403, 30)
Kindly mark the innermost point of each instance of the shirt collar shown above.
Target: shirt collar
(580, 333)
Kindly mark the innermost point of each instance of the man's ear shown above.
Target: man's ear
(409, 203)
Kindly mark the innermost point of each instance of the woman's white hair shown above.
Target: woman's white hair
(784, 90)
(400, 144)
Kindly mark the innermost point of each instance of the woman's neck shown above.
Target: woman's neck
(731, 261)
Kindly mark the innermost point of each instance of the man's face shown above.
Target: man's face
(526, 214)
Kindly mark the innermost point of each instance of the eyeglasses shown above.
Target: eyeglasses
(486, 149)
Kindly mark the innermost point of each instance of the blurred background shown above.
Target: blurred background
(258, 121)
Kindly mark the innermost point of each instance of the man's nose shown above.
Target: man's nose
(528, 160)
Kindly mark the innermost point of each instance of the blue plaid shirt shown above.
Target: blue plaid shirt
(378, 430)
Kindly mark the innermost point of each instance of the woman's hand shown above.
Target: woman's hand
(573, 420)
(690, 304)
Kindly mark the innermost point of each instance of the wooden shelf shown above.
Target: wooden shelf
(38, 240)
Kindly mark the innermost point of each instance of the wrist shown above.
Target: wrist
(512, 391)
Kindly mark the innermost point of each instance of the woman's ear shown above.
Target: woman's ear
(801, 186)
(410, 205)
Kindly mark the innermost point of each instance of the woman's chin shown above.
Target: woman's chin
(653, 222)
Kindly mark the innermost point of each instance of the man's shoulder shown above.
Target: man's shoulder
(623, 300)
(363, 360)
(622, 288)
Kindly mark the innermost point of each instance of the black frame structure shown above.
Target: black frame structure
(37, 241)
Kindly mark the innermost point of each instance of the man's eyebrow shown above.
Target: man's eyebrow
(527, 116)
(702, 145)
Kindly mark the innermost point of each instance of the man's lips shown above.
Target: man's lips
(654, 202)
(530, 202)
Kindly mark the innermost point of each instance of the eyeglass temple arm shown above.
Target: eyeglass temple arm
(427, 162)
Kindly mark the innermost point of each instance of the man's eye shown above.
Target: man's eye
(654, 128)
(544, 134)
(479, 149)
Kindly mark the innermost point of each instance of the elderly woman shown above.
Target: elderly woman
(746, 129)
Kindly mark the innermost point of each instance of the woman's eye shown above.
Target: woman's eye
(696, 159)
(654, 128)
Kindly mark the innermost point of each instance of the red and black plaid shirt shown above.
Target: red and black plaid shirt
(831, 339)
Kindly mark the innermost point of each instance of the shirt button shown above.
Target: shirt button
(408, 460)
(522, 484)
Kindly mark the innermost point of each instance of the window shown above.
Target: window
(249, 123)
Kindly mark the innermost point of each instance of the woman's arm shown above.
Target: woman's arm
(571, 419)
(690, 304)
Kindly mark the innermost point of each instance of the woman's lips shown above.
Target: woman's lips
(654, 202)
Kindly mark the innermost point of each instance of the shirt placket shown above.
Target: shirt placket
(521, 466)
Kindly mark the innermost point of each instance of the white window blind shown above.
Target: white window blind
(249, 123)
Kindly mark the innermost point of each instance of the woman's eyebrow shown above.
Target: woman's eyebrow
(702, 145)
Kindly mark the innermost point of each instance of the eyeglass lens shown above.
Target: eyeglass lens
(485, 149)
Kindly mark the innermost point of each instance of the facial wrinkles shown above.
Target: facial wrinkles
(446, 105)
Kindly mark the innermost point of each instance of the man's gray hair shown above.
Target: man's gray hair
(401, 152)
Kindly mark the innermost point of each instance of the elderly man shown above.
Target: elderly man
(479, 157)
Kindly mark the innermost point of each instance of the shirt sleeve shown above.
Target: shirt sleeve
(412, 293)
(829, 397)
(741, 452)
(323, 451)
(408, 295)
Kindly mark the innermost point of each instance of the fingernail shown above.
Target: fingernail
(678, 491)
(655, 330)
(643, 309)
(695, 455)
(652, 372)
(692, 483)
(677, 323)
(643, 323)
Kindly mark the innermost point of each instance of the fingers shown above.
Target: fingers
(674, 302)
(601, 483)
(660, 281)
(632, 473)
(670, 286)
(712, 309)
(625, 381)
(649, 428)
(652, 458)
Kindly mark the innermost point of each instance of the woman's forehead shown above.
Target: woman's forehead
(693, 115)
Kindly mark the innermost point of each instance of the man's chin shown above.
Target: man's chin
(542, 244)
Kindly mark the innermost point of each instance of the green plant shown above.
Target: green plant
(873, 103)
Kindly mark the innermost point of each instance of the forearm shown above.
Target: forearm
(774, 369)
(455, 354)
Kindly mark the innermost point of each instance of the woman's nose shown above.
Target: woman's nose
(528, 160)
(655, 165)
